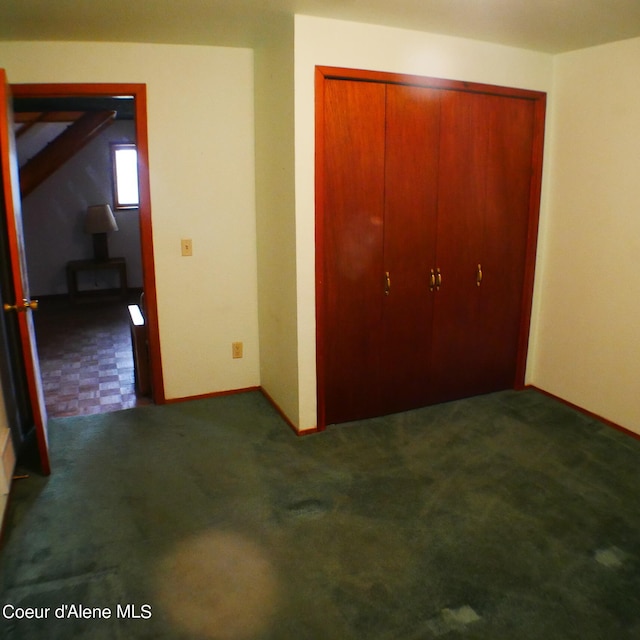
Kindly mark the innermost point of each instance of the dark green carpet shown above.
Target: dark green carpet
(501, 517)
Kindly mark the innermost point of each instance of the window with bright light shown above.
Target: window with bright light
(125, 176)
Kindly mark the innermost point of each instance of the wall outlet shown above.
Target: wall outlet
(236, 349)
(186, 247)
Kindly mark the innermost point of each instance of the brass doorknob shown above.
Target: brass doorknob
(26, 304)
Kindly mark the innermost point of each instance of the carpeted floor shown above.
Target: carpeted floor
(500, 517)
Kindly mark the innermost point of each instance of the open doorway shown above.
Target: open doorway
(84, 340)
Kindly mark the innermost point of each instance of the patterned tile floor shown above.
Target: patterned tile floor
(85, 355)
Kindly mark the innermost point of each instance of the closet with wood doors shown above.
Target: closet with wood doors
(426, 222)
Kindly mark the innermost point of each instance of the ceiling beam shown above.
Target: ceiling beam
(62, 148)
(46, 116)
(123, 105)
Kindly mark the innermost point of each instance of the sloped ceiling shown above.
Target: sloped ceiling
(551, 26)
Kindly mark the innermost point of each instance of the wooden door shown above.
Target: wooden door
(21, 299)
(411, 191)
(509, 122)
(483, 217)
(352, 278)
(461, 202)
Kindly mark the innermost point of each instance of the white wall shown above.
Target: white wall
(275, 208)
(201, 131)
(588, 349)
(53, 218)
(201, 146)
(346, 44)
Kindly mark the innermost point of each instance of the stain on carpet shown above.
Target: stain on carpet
(448, 620)
(611, 557)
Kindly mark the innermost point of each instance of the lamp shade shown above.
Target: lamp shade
(100, 219)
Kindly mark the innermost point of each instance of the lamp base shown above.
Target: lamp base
(100, 247)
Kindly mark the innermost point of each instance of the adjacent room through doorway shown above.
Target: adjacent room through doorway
(87, 270)
(65, 153)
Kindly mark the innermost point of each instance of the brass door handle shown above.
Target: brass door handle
(387, 283)
(26, 304)
(432, 280)
(479, 275)
(438, 279)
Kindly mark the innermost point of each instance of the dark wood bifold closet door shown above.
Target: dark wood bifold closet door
(411, 192)
(483, 213)
(461, 199)
(353, 240)
(510, 122)
(428, 195)
(381, 176)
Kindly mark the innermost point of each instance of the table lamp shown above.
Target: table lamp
(99, 221)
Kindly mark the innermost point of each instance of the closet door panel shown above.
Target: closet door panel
(461, 201)
(411, 191)
(510, 124)
(353, 246)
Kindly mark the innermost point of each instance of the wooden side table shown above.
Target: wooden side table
(112, 264)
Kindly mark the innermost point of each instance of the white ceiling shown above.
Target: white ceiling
(545, 25)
